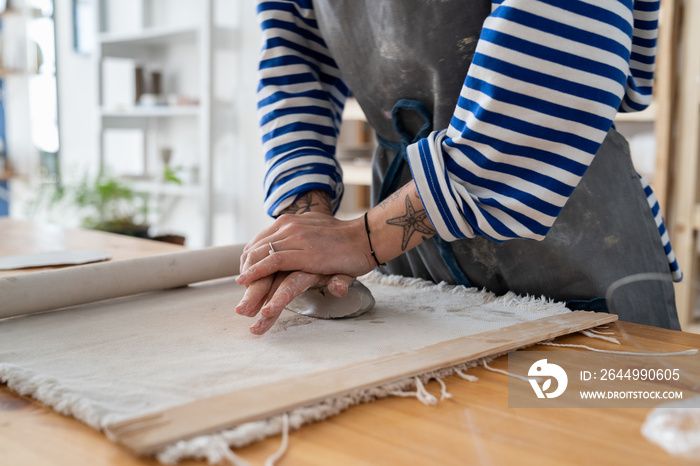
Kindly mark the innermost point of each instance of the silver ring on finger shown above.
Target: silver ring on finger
(272, 250)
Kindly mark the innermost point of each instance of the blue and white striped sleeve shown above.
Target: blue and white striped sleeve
(546, 80)
(642, 57)
(300, 104)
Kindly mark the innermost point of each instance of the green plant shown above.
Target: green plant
(102, 203)
(109, 204)
(170, 175)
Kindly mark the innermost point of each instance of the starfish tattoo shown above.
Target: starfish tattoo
(411, 222)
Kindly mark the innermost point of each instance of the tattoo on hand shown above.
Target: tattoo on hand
(302, 205)
(325, 201)
(412, 221)
(305, 202)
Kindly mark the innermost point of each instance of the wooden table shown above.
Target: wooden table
(474, 427)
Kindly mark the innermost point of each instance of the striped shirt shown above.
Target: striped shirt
(546, 81)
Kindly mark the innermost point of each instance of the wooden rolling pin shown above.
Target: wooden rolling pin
(56, 289)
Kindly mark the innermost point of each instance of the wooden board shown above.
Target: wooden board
(26, 237)
(147, 434)
(475, 426)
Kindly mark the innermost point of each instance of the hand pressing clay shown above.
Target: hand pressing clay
(320, 303)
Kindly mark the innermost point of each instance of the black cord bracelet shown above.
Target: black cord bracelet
(371, 249)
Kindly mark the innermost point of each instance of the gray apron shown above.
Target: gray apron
(420, 50)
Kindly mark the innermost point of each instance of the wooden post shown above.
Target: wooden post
(665, 98)
(685, 170)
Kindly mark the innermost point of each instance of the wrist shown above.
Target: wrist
(398, 224)
(311, 201)
(369, 240)
(360, 242)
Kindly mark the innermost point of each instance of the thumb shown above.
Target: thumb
(338, 285)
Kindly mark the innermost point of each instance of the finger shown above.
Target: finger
(338, 285)
(253, 252)
(289, 288)
(276, 282)
(256, 255)
(264, 233)
(262, 325)
(292, 286)
(252, 244)
(265, 322)
(254, 297)
(282, 292)
(279, 227)
(270, 265)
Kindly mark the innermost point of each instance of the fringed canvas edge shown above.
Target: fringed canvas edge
(213, 448)
(210, 447)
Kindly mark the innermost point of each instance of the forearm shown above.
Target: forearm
(321, 244)
(398, 224)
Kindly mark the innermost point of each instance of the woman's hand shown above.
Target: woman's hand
(313, 242)
(270, 295)
(315, 249)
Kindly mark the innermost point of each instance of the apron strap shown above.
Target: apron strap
(392, 177)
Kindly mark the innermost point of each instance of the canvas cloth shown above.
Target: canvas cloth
(104, 362)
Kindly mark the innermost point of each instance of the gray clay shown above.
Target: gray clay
(320, 303)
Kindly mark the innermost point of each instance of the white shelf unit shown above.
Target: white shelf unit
(354, 151)
(155, 35)
(161, 188)
(155, 111)
(162, 46)
(27, 69)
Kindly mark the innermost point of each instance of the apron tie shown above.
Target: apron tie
(392, 177)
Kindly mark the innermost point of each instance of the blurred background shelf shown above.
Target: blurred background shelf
(357, 172)
(156, 188)
(157, 111)
(648, 115)
(151, 51)
(163, 35)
